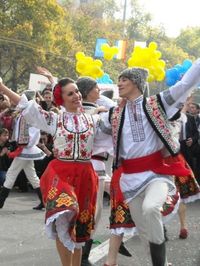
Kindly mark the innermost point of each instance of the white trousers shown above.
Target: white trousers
(16, 167)
(145, 211)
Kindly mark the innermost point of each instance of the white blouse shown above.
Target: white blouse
(138, 138)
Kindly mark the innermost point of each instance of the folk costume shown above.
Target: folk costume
(26, 138)
(187, 185)
(141, 136)
(69, 184)
(98, 159)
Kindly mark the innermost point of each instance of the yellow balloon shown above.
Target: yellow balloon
(104, 47)
(80, 55)
(153, 46)
(96, 72)
(80, 66)
(150, 78)
(115, 50)
(108, 56)
(98, 62)
(137, 49)
(158, 54)
(88, 60)
(161, 76)
(161, 63)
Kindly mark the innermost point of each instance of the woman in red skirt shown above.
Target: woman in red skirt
(69, 184)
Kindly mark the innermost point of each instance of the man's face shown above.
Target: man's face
(193, 109)
(4, 137)
(48, 98)
(126, 88)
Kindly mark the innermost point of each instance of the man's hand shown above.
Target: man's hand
(189, 142)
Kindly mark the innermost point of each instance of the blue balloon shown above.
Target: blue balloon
(170, 81)
(105, 79)
(187, 64)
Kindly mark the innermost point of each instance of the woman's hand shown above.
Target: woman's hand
(45, 72)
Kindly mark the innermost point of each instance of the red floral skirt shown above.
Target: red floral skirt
(120, 213)
(186, 185)
(71, 186)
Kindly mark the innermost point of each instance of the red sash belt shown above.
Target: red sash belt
(155, 163)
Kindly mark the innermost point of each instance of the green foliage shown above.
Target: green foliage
(189, 41)
(49, 33)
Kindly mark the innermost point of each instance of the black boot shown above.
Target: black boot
(41, 205)
(3, 195)
(158, 254)
(124, 251)
(86, 253)
(165, 233)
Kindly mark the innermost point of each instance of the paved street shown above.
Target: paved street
(23, 241)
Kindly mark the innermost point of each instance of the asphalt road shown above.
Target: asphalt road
(23, 241)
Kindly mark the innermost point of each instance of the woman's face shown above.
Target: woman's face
(72, 99)
(93, 95)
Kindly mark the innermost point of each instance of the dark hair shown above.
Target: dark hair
(196, 105)
(109, 94)
(46, 92)
(57, 92)
(4, 131)
(65, 81)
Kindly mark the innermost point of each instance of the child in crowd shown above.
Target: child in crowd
(4, 148)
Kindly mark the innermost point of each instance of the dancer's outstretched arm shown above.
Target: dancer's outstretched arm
(13, 96)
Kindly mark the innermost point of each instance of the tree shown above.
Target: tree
(33, 32)
(189, 41)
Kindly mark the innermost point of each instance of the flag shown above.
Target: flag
(98, 51)
(122, 45)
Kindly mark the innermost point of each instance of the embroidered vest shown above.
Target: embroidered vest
(20, 134)
(156, 116)
(74, 146)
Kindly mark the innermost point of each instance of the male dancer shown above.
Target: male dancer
(141, 135)
(26, 138)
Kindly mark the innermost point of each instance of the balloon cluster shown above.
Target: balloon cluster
(175, 74)
(108, 51)
(87, 66)
(105, 79)
(149, 58)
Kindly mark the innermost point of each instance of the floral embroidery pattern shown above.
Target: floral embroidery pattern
(115, 122)
(77, 141)
(47, 115)
(160, 122)
(23, 135)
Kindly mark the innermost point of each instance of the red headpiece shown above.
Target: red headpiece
(57, 94)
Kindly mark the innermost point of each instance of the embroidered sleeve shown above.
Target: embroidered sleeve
(177, 94)
(104, 123)
(37, 117)
(103, 140)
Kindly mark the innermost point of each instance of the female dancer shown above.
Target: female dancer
(69, 184)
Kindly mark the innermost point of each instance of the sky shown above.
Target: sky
(174, 15)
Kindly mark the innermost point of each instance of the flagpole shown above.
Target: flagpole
(124, 14)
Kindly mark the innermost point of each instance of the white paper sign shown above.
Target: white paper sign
(38, 82)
